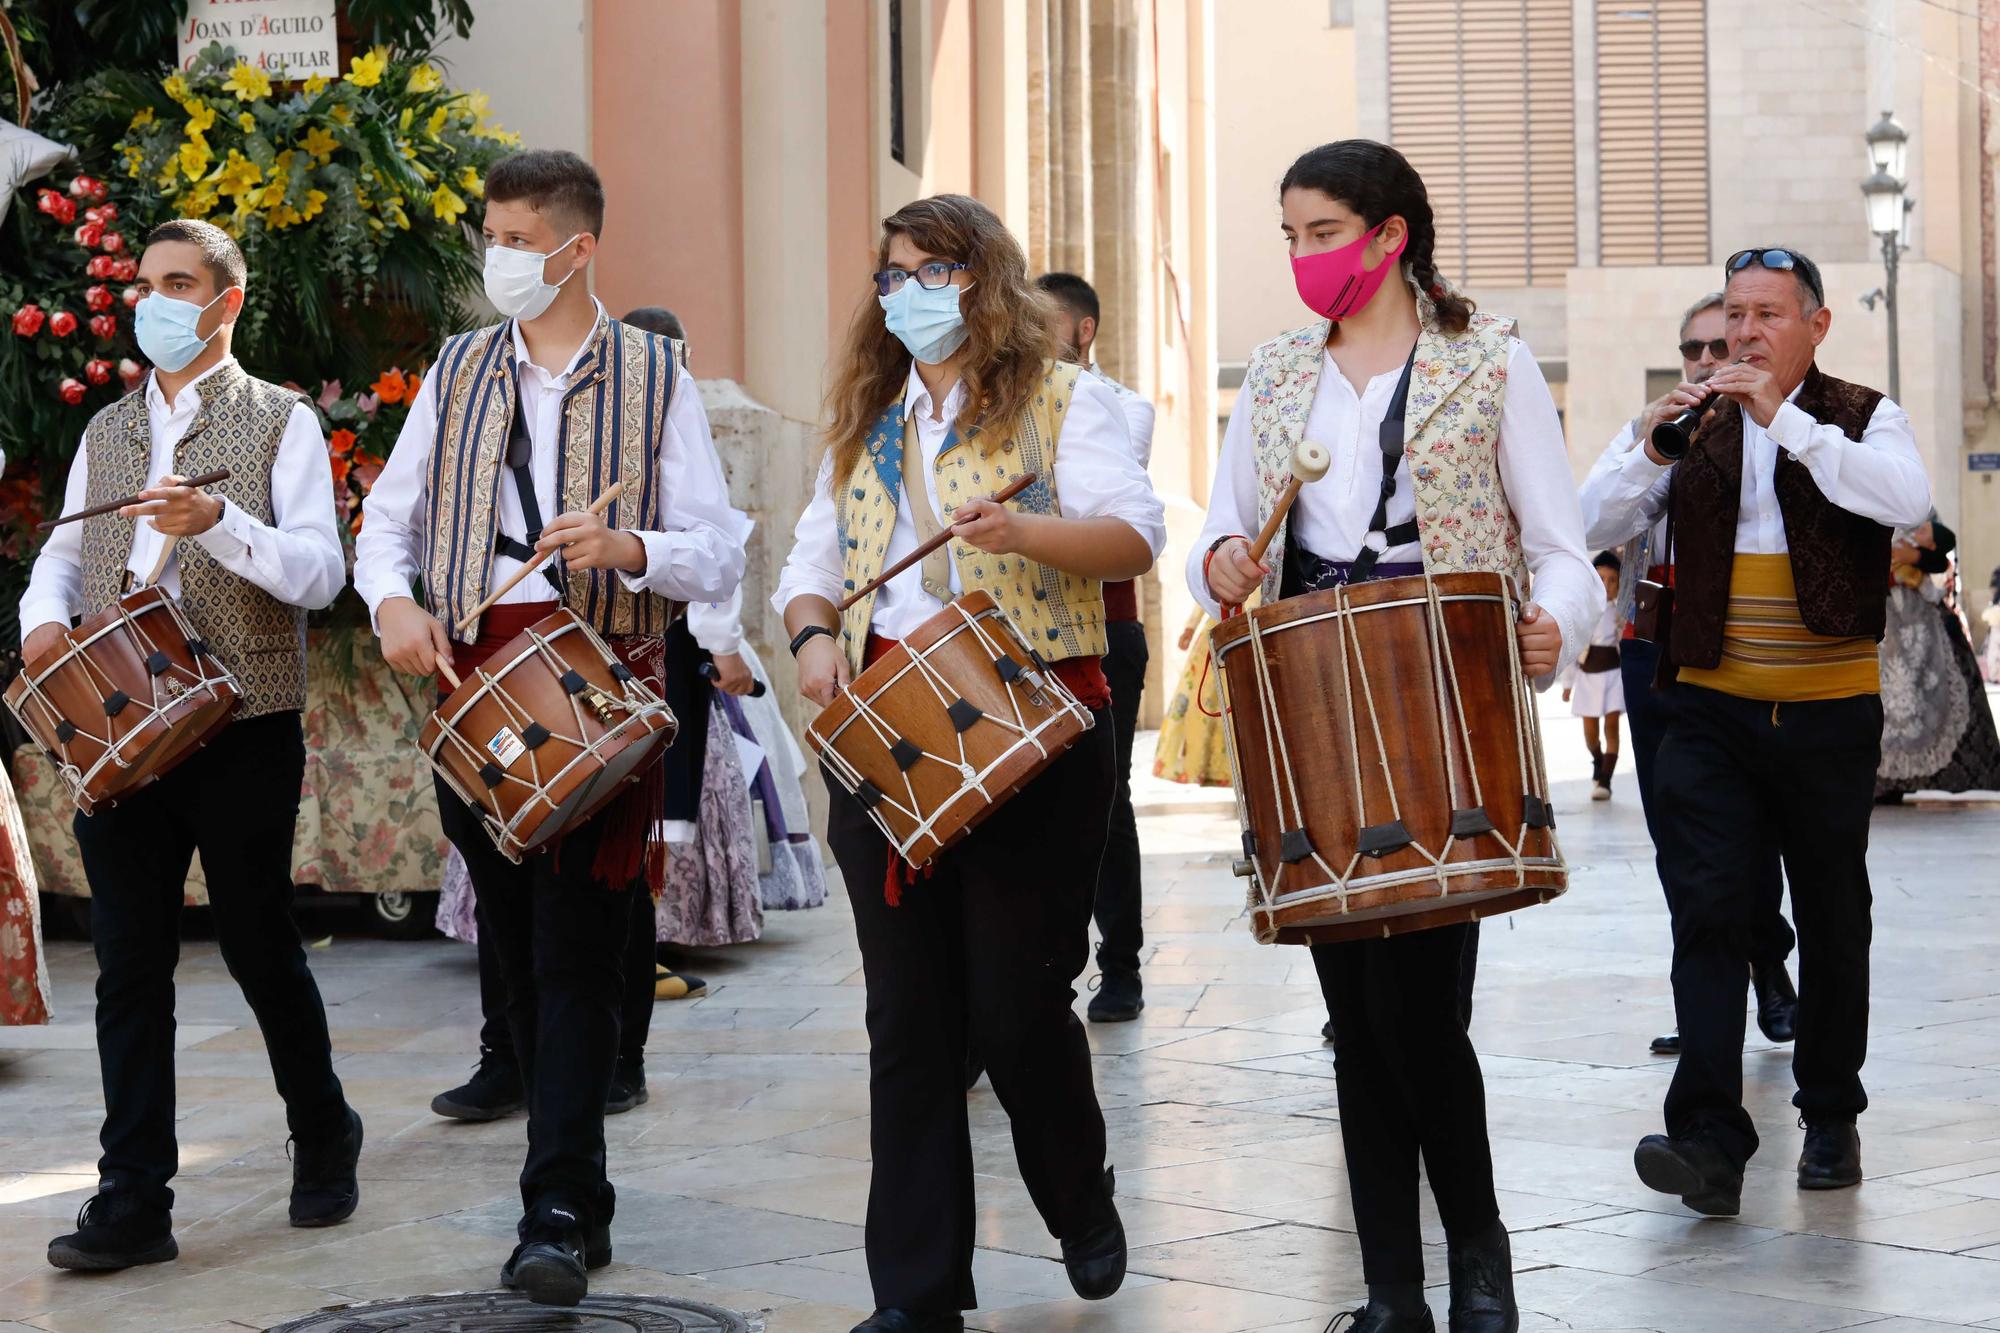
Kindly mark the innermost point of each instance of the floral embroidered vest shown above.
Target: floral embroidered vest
(614, 423)
(1062, 615)
(239, 425)
(1451, 436)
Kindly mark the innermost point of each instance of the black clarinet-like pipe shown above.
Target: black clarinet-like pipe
(1672, 437)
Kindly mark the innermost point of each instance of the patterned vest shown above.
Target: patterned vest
(1061, 614)
(1451, 436)
(614, 422)
(239, 425)
(1837, 556)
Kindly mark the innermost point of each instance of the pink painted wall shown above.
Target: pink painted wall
(851, 225)
(667, 135)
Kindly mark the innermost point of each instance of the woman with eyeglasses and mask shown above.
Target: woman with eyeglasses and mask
(1447, 457)
(947, 389)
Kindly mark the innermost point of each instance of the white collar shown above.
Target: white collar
(157, 401)
(521, 357)
(917, 398)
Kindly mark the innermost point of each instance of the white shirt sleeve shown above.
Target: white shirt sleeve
(1534, 473)
(1139, 421)
(1617, 508)
(814, 568)
(1879, 476)
(1097, 475)
(1232, 501)
(697, 555)
(718, 626)
(55, 585)
(296, 557)
(386, 562)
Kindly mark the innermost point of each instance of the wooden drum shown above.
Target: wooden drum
(1388, 759)
(946, 725)
(546, 733)
(127, 695)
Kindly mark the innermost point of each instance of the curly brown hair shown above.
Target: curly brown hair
(1010, 337)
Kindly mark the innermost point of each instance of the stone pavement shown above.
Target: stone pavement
(743, 1182)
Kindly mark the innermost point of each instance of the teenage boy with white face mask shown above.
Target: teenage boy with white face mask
(247, 558)
(536, 416)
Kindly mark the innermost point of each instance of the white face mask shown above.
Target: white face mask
(514, 280)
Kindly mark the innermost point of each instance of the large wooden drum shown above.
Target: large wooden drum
(128, 694)
(1388, 760)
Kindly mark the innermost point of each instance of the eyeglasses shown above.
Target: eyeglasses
(929, 276)
(1691, 349)
(1784, 261)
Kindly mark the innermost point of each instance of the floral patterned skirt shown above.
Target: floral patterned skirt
(1937, 727)
(1193, 747)
(24, 973)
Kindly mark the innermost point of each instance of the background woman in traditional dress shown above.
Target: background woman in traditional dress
(1937, 728)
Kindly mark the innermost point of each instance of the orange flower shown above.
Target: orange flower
(341, 441)
(390, 388)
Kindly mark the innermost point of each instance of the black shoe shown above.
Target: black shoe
(1326, 1032)
(628, 1087)
(1375, 1317)
(1482, 1285)
(910, 1321)
(1777, 1002)
(1705, 1180)
(1118, 999)
(1666, 1044)
(549, 1265)
(114, 1229)
(324, 1187)
(1095, 1256)
(493, 1091)
(1831, 1159)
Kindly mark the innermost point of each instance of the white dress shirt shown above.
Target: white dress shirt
(718, 626)
(296, 558)
(696, 556)
(1879, 476)
(1330, 517)
(1599, 533)
(1096, 476)
(1138, 416)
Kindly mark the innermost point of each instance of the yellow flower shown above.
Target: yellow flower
(316, 85)
(194, 157)
(200, 117)
(468, 181)
(315, 204)
(142, 118)
(319, 145)
(343, 113)
(249, 83)
(446, 206)
(425, 79)
(403, 121)
(135, 157)
(437, 122)
(199, 202)
(367, 71)
(176, 87)
(392, 209)
(237, 175)
(246, 120)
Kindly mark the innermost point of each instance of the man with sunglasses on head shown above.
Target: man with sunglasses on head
(1783, 507)
(1704, 350)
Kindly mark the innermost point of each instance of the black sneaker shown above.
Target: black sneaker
(550, 1264)
(1118, 1000)
(493, 1092)
(628, 1087)
(114, 1229)
(324, 1187)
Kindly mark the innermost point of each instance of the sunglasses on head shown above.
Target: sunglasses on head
(1784, 261)
(1691, 349)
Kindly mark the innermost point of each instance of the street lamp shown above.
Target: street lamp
(1885, 193)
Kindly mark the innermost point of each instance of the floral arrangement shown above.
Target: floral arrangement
(361, 429)
(78, 331)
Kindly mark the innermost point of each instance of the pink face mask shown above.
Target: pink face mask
(1335, 284)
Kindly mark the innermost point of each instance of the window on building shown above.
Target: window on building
(1482, 102)
(1652, 130)
(896, 82)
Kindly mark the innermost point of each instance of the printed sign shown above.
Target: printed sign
(506, 747)
(1982, 462)
(295, 36)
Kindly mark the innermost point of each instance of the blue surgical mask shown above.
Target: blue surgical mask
(927, 322)
(165, 329)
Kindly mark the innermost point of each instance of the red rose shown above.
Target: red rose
(101, 266)
(130, 372)
(113, 242)
(123, 270)
(48, 201)
(89, 234)
(99, 297)
(107, 212)
(130, 296)
(72, 390)
(62, 323)
(28, 320)
(97, 370)
(104, 326)
(87, 187)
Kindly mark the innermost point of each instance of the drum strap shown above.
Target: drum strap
(936, 567)
(1392, 458)
(520, 457)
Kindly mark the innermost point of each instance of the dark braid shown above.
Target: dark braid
(1377, 182)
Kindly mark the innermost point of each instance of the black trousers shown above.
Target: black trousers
(989, 943)
(1410, 1088)
(235, 802)
(558, 938)
(1118, 900)
(1646, 714)
(1742, 785)
(635, 1021)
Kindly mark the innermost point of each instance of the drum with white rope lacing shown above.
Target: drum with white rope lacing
(1388, 759)
(944, 727)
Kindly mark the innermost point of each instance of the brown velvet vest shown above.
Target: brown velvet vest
(1838, 557)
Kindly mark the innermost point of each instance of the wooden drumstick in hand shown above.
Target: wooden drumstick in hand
(597, 506)
(1309, 462)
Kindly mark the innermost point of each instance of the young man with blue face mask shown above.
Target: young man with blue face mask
(538, 415)
(247, 558)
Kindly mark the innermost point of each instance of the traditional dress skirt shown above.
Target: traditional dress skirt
(1937, 727)
(24, 973)
(1194, 745)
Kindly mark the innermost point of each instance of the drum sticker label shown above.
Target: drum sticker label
(506, 747)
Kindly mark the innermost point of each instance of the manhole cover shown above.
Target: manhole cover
(510, 1312)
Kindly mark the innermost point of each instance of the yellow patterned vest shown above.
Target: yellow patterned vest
(614, 422)
(1451, 436)
(239, 425)
(1061, 614)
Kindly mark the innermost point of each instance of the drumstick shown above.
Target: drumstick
(450, 676)
(1309, 462)
(597, 506)
(205, 479)
(1006, 493)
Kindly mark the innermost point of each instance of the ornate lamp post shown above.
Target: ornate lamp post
(1885, 191)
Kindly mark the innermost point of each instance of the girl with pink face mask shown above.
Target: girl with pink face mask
(1447, 456)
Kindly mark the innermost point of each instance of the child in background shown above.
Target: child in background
(1594, 687)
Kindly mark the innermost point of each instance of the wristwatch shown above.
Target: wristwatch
(799, 639)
